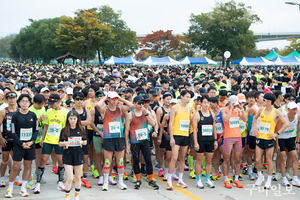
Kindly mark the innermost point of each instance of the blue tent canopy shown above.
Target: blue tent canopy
(199, 60)
(286, 61)
(120, 61)
(253, 61)
(160, 61)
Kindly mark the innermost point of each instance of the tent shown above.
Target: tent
(293, 54)
(120, 61)
(273, 54)
(253, 61)
(199, 60)
(160, 61)
(286, 61)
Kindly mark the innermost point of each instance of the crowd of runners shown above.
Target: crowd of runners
(214, 123)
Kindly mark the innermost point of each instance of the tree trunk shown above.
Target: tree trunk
(223, 60)
(99, 57)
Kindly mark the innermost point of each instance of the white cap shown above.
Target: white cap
(234, 99)
(292, 105)
(173, 101)
(115, 70)
(140, 74)
(113, 95)
(69, 90)
(1, 92)
(44, 89)
(197, 96)
(11, 81)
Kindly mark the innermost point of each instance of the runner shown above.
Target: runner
(72, 138)
(24, 131)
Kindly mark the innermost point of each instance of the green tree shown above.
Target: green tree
(5, 44)
(226, 28)
(185, 46)
(294, 45)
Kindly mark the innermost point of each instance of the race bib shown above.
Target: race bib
(264, 128)
(242, 126)
(284, 84)
(25, 134)
(114, 127)
(54, 130)
(74, 141)
(289, 130)
(207, 130)
(141, 134)
(219, 128)
(234, 122)
(40, 134)
(8, 124)
(100, 127)
(276, 84)
(184, 125)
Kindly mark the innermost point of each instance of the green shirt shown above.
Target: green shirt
(38, 114)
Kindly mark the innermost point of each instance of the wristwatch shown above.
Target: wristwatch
(147, 115)
(277, 133)
(298, 142)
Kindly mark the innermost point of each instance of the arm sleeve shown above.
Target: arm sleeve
(250, 121)
(35, 128)
(61, 132)
(16, 139)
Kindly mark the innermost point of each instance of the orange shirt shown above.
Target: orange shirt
(232, 127)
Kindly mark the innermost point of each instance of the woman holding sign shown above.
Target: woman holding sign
(72, 137)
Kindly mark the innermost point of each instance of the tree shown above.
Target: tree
(185, 46)
(140, 55)
(258, 53)
(160, 43)
(294, 45)
(5, 44)
(82, 35)
(226, 28)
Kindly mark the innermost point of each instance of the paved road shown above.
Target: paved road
(48, 191)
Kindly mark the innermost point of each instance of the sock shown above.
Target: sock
(250, 169)
(11, 185)
(174, 172)
(190, 161)
(166, 170)
(138, 176)
(198, 177)
(160, 169)
(269, 178)
(60, 173)
(259, 174)
(105, 178)
(236, 177)
(225, 178)
(150, 177)
(91, 162)
(121, 178)
(24, 184)
(39, 174)
(169, 177)
(84, 175)
(113, 171)
(67, 193)
(77, 191)
(233, 172)
(284, 178)
(207, 177)
(17, 178)
(295, 177)
(180, 177)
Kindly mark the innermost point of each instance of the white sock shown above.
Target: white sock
(259, 174)
(295, 177)
(180, 177)
(166, 171)
(233, 172)
(105, 178)
(269, 178)
(169, 177)
(174, 172)
(250, 169)
(283, 178)
(113, 171)
(225, 178)
(121, 178)
(160, 168)
(24, 184)
(236, 177)
(11, 185)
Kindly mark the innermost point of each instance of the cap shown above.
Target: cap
(202, 90)
(1, 92)
(69, 90)
(267, 90)
(113, 95)
(60, 85)
(234, 99)
(260, 83)
(292, 105)
(52, 88)
(3, 79)
(44, 89)
(197, 97)
(68, 83)
(241, 97)
(153, 92)
(173, 101)
(53, 98)
(34, 90)
(138, 98)
(60, 89)
(99, 92)
(11, 81)
(158, 87)
(146, 97)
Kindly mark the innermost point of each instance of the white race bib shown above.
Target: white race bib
(54, 130)
(242, 127)
(25, 134)
(8, 124)
(219, 128)
(289, 130)
(114, 127)
(141, 134)
(234, 122)
(207, 130)
(184, 125)
(74, 141)
(264, 128)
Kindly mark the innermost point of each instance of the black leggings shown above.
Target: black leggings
(146, 151)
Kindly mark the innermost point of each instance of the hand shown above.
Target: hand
(41, 143)
(3, 142)
(277, 148)
(232, 106)
(43, 117)
(154, 134)
(297, 146)
(196, 146)
(127, 149)
(66, 145)
(159, 141)
(24, 145)
(144, 110)
(29, 143)
(155, 107)
(215, 145)
(271, 136)
(172, 143)
(255, 132)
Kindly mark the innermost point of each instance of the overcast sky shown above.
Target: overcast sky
(152, 15)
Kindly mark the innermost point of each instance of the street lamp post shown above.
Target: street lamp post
(293, 3)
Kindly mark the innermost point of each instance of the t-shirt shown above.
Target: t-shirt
(38, 114)
(74, 138)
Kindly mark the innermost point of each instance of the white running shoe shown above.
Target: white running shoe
(182, 184)
(276, 177)
(37, 189)
(8, 193)
(122, 186)
(100, 182)
(296, 182)
(199, 184)
(285, 182)
(259, 181)
(165, 178)
(30, 184)
(267, 185)
(288, 177)
(104, 187)
(112, 181)
(2, 182)
(76, 198)
(61, 186)
(24, 192)
(175, 177)
(209, 184)
(18, 181)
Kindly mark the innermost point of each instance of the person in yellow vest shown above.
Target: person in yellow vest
(179, 126)
(266, 135)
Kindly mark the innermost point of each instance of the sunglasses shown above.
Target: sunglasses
(79, 99)
(141, 103)
(115, 98)
(147, 101)
(292, 99)
(266, 100)
(53, 100)
(11, 95)
(113, 87)
(99, 95)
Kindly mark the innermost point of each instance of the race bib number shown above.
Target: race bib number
(25, 134)
(8, 124)
(234, 122)
(40, 134)
(100, 127)
(289, 130)
(219, 128)
(141, 134)
(184, 125)
(207, 130)
(264, 128)
(114, 127)
(242, 126)
(74, 141)
(54, 130)
(284, 84)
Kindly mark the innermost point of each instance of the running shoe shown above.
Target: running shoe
(24, 192)
(2, 182)
(299, 165)
(152, 179)
(251, 177)
(161, 173)
(285, 183)
(74, 178)
(100, 182)
(274, 172)
(216, 177)
(132, 173)
(92, 167)
(8, 193)
(169, 186)
(238, 184)
(230, 179)
(48, 161)
(30, 184)
(127, 161)
(134, 180)
(186, 168)
(199, 184)
(113, 175)
(242, 165)
(267, 185)
(175, 177)
(240, 177)
(288, 177)
(245, 171)
(209, 184)
(259, 181)
(18, 181)
(165, 178)
(153, 152)
(296, 182)
(203, 173)
(153, 185)
(37, 189)
(95, 174)
(276, 177)
(192, 175)
(156, 166)
(265, 165)
(138, 185)
(112, 181)
(55, 170)
(125, 177)
(76, 198)
(60, 186)
(227, 185)
(104, 187)
(86, 183)
(122, 186)
(43, 181)
(182, 184)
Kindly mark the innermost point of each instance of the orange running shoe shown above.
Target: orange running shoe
(265, 165)
(227, 185)
(238, 184)
(86, 183)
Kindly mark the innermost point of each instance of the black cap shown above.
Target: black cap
(34, 90)
(53, 98)
(128, 90)
(138, 98)
(146, 97)
(153, 92)
(99, 92)
(52, 88)
(61, 85)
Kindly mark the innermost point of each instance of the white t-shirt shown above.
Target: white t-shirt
(4, 105)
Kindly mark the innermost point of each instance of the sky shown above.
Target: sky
(147, 16)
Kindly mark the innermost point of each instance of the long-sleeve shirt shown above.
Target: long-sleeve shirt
(24, 128)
